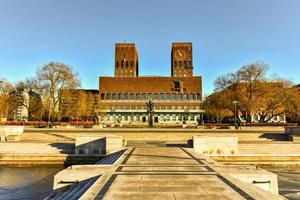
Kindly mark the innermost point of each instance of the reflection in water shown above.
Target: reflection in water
(26, 182)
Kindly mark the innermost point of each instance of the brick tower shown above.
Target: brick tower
(182, 59)
(126, 60)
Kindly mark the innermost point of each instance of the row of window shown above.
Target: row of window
(125, 64)
(144, 107)
(182, 64)
(161, 117)
(155, 96)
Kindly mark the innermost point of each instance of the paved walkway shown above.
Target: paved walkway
(170, 173)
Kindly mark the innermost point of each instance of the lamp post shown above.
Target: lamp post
(235, 114)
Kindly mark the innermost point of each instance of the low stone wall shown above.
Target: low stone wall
(11, 133)
(215, 144)
(293, 133)
(93, 145)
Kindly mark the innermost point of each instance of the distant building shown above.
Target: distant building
(177, 99)
(27, 105)
(78, 104)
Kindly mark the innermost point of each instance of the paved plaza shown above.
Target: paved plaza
(172, 173)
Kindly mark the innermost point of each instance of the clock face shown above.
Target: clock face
(180, 54)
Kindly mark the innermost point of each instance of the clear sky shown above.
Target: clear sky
(226, 34)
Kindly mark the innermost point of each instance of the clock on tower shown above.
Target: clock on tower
(182, 59)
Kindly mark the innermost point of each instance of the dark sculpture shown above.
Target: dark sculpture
(150, 111)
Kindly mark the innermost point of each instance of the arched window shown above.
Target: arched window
(108, 96)
(122, 63)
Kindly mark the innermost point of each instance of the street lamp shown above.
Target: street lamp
(235, 115)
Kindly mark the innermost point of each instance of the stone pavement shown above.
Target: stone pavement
(172, 173)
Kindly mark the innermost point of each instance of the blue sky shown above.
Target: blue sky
(226, 34)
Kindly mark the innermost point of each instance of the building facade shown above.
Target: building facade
(78, 104)
(177, 99)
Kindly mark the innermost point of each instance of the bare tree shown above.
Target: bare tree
(244, 86)
(50, 79)
(6, 103)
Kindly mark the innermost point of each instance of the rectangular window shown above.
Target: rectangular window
(198, 96)
(156, 96)
(108, 96)
(114, 96)
(162, 107)
(149, 96)
(173, 97)
(168, 108)
(131, 96)
(173, 107)
(120, 97)
(185, 107)
(168, 97)
(138, 96)
(192, 96)
(144, 96)
(185, 96)
(179, 96)
(179, 107)
(162, 96)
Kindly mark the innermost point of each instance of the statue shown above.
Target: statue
(150, 111)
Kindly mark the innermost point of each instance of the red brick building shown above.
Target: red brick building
(176, 99)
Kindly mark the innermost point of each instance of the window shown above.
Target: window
(131, 96)
(179, 64)
(155, 96)
(185, 107)
(192, 96)
(102, 96)
(162, 107)
(173, 117)
(131, 63)
(114, 96)
(122, 63)
(144, 96)
(138, 96)
(108, 96)
(168, 97)
(185, 96)
(126, 64)
(179, 96)
(197, 107)
(125, 107)
(168, 108)
(175, 63)
(120, 96)
(126, 96)
(149, 96)
(117, 64)
(173, 96)
(120, 108)
(173, 107)
(198, 96)
(192, 107)
(179, 107)
(162, 96)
